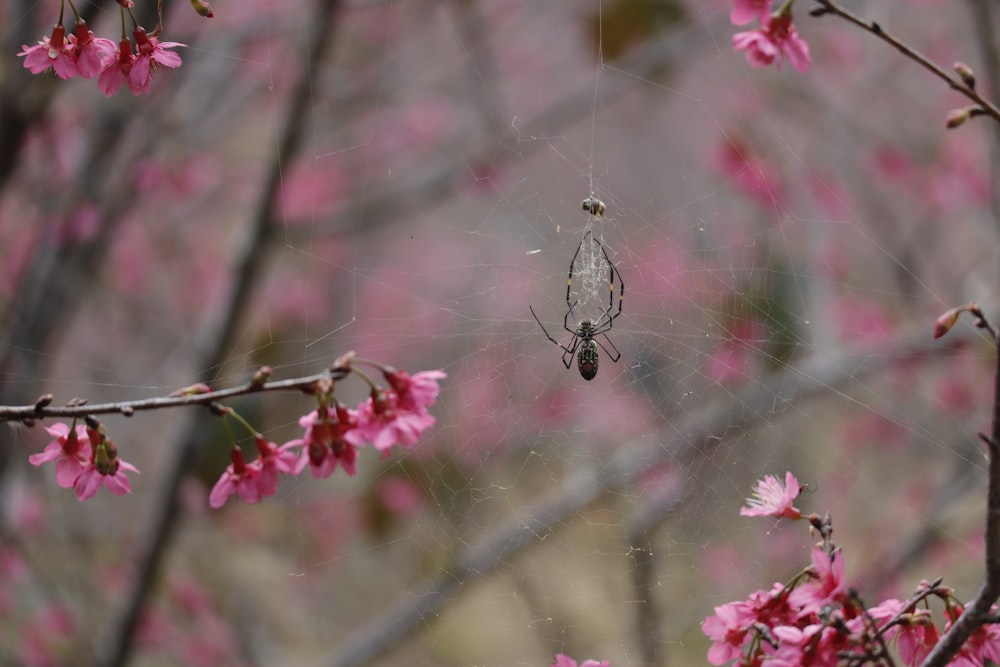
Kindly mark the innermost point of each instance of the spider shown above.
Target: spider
(585, 343)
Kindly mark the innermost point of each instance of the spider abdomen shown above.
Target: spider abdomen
(586, 359)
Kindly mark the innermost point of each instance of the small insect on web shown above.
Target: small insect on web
(585, 342)
(594, 206)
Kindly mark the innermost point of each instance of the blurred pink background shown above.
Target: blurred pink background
(786, 241)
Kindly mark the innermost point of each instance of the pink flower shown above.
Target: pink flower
(799, 646)
(151, 54)
(238, 477)
(826, 587)
(982, 646)
(728, 630)
(274, 460)
(104, 468)
(70, 450)
(416, 392)
(327, 441)
(90, 53)
(915, 637)
(771, 498)
(916, 641)
(775, 37)
(116, 70)
(384, 423)
(55, 51)
(744, 11)
(566, 661)
(771, 607)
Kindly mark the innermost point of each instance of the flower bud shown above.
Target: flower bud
(261, 376)
(203, 8)
(343, 362)
(193, 390)
(966, 74)
(106, 458)
(956, 117)
(946, 321)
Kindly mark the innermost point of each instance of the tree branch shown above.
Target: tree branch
(79, 410)
(977, 611)
(953, 80)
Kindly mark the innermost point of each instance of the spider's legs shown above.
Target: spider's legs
(566, 319)
(570, 352)
(613, 357)
(567, 351)
(612, 272)
(605, 323)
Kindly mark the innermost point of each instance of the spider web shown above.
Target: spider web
(785, 241)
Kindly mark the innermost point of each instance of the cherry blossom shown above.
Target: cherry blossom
(771, 498)
(70, 450)
(728, 630)
(827, 586)
(776, 37)
(151, 54)
(383, 422)
(814, 644)
(415, 392)
(745, 11)
(981, 647)
(239, 477)
(274, 460)
(566, 661)
(55, 51)
(116, 71)
(915, 637)
(327, 442)
(104, 468)
(90, 53)
(397, 415)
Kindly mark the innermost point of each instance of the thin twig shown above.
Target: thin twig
(9, 413)
(953, 81)
(977, 612)
(983, 25)
(983, 322)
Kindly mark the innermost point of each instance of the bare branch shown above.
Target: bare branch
(954, 81)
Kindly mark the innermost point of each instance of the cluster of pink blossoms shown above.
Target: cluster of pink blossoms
(85, 459)
(333, 435)
(775, 37)
(815, 620)
(83, 54)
